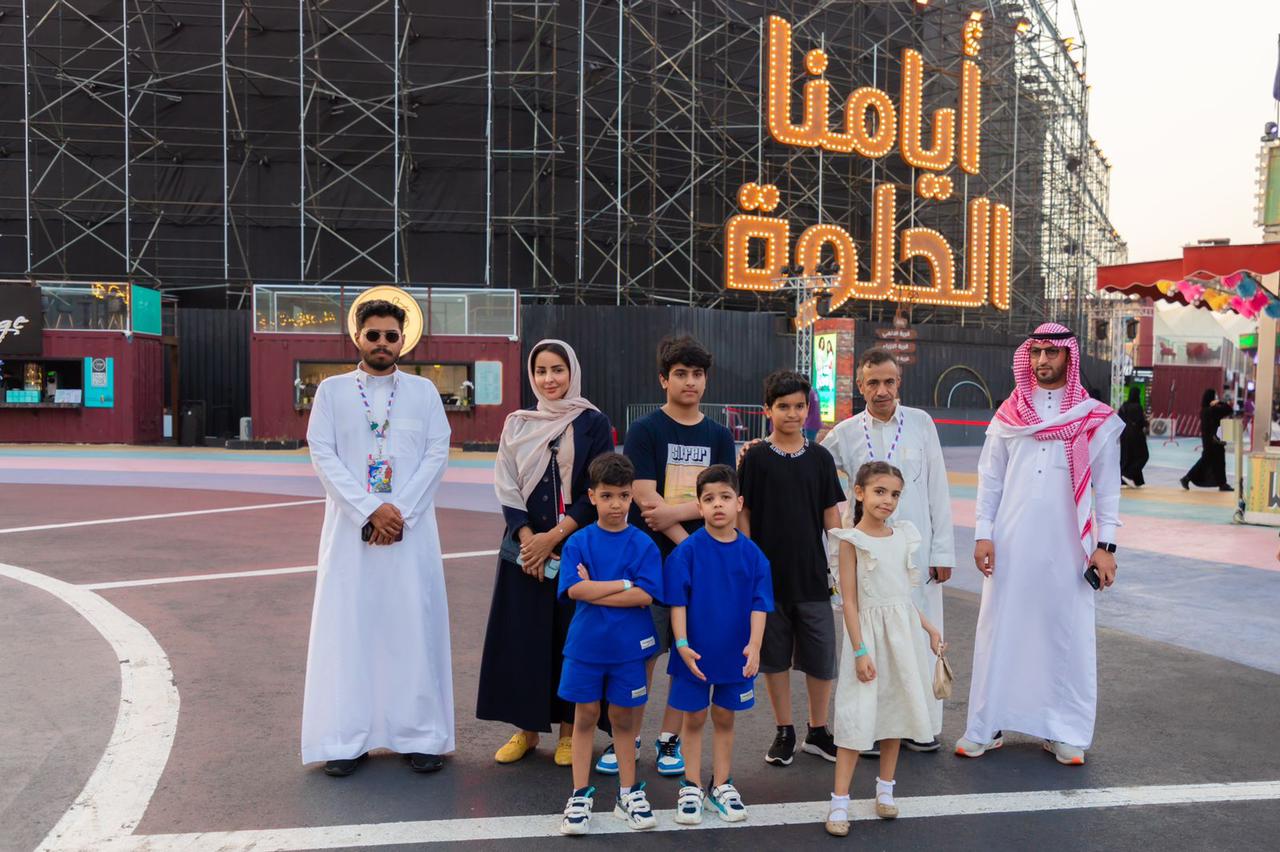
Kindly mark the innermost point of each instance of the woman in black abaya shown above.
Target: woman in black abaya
(1133, 441)
(1211, 469)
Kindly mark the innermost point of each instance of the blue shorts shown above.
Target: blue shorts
(623, 684)
(693, 696)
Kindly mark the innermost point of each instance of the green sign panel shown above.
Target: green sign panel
(146, 310)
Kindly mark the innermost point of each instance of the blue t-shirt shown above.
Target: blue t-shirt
(721, 584)
(611, 634)
(672, 455)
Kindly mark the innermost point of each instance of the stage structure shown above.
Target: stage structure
(581, 151)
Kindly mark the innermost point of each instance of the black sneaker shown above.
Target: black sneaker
(784, 747)
(343, 768)
(420, 762)
(820, 742)
(916, 745)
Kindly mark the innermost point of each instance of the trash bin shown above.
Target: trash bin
(191, 424)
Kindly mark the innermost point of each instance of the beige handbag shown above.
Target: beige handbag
(942, 678)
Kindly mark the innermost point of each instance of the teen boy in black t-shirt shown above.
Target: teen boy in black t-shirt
(790, 492)
(669, 448)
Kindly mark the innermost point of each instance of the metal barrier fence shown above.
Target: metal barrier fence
(744, 422)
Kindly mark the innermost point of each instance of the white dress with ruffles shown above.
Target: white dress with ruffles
(896, 703)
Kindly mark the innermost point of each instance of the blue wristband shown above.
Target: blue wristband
(682, 643)
(861, 651)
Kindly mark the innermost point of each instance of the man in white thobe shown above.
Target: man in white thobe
(907, 439)
(1047, 512)
(378, 664)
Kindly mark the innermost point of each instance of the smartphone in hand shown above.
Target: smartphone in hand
(1091, 577)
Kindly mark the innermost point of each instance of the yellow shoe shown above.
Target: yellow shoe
(517, 747)
(564, 752)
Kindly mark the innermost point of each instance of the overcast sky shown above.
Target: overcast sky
(1181, 91)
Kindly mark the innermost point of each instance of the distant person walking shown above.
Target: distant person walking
(1211, 469)
(1134, 454)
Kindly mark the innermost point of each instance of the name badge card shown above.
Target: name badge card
(379, 475)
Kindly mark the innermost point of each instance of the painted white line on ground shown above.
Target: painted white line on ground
(69, 524)
(231, 575)
(794, 813)
(117, 793)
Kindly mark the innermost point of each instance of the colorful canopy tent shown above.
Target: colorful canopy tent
(1244, 279)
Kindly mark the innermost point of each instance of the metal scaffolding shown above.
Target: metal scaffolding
(190, 143)
(623, 131)
(579, 150)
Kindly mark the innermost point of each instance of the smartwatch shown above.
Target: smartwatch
(1107, 546)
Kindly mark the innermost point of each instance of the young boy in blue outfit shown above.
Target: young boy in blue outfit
(719, 587)
(613, 571)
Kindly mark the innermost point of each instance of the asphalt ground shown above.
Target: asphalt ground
(1175, 724)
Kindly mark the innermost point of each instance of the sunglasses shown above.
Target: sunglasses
(373, 335)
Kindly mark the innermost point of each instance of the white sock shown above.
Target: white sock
(885, 788)
(839, 803)
(622, 791)
(665, 736)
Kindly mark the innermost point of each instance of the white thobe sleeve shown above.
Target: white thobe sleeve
(942, 549)
(415, 496)
(343, 488)
(832, 444)
(991, 471)
(1106, 487)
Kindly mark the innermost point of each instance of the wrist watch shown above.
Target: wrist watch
(1107, 546)
(626, 585)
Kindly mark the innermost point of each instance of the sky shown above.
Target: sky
(1180, 93)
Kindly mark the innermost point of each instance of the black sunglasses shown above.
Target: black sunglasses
(373, 335)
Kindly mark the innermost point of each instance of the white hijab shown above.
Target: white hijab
(525, 448)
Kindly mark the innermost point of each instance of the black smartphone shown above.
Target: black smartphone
(366, 532)
(1092, 578)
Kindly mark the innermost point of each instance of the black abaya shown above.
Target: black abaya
(1211, 470)
(1133, 443)
(528, 622)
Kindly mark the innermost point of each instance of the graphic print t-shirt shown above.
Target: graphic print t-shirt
(672, 455)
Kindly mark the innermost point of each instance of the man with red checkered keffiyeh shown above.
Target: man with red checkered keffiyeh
(1047, 510)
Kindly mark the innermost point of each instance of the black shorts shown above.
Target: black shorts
(661, 627)
(802, 636)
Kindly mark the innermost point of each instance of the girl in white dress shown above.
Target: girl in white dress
(883, 693)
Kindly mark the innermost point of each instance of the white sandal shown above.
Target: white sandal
(838, 817)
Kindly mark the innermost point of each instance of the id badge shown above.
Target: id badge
(379, 475)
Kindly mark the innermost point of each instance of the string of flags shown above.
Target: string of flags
(1239, 292)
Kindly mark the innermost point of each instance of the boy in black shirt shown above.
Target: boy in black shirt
(669, 448)
(790, 493)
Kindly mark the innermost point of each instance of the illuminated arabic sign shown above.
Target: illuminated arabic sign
(988, 248)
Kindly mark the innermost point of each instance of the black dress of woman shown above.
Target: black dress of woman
(528, 622)
(1211, 470)
(1133, 440)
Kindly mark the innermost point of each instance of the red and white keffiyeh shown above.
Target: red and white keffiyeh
(1078, 420)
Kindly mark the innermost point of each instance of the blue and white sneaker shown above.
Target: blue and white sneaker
(725, 801)
(689, 804)
(608, 762)
(670, 759)
(577, 812)
(633, 808)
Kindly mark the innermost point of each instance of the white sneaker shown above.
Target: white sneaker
(1067, 755)
(577, 812)
(726, 802)
(968, 748)
(634, 809)
(689, 805)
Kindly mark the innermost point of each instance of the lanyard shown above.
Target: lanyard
(871, 453)
(555, 478)
(379, 432)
